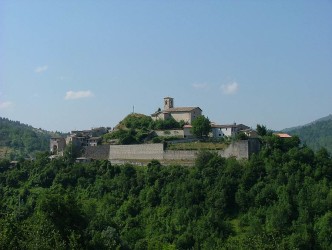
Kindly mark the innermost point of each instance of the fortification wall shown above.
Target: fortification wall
(97, 153)
(238, 149)
(137, 152)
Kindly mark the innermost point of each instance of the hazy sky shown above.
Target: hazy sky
(68, 65)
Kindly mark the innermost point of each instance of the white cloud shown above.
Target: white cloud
(5, 105)
(41, 69)
(200, 86)
(72, 95)
(229, 88)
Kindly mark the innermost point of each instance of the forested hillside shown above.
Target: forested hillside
(21, 140)
(279, 199)
(316, 135)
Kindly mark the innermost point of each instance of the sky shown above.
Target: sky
(68, 65)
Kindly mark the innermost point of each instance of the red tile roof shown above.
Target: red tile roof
(283, 135)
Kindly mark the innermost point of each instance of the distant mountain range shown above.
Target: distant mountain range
(316, 134)
(20, 140)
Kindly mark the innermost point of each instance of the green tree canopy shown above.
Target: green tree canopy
(261, 130)
(201, 126)
(280, 198)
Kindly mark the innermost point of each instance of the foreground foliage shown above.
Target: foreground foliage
(279, 199)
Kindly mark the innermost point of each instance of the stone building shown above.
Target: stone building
(77, 140)
(80, 139)
(57, 145)
(94, 141)
(187, 131)
(186, 114)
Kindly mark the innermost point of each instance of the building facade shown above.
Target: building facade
(220, 131)
(186, 114)
(57, 145)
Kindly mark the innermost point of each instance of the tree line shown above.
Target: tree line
(281, 198)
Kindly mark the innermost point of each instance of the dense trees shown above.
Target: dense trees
(201, 126)
(279, 199)
(261, 130)
(143, 122)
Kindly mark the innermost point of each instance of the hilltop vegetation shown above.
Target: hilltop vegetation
(137, 128)
(316, 134)
(279, 199)
(144, 122)
(19, 140)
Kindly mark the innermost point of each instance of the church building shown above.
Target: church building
(187, 114)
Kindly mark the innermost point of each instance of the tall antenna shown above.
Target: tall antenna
(133, 109)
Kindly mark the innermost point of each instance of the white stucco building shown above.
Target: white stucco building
(219, 131)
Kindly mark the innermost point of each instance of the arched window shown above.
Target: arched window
(55, 149)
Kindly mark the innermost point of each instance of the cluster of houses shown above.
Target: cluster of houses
(84, 138)
(188, 114)
(92, 138)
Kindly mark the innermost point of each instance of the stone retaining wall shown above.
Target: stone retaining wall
(137, 152)
(98, 153)
(238, 149)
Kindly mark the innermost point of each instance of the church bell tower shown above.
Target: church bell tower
(168, 103)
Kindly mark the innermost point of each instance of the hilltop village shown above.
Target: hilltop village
(101, 143)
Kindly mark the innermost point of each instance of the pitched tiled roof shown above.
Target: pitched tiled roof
(283, 135)
(224, 126)
(181, 109)
(229, 126)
